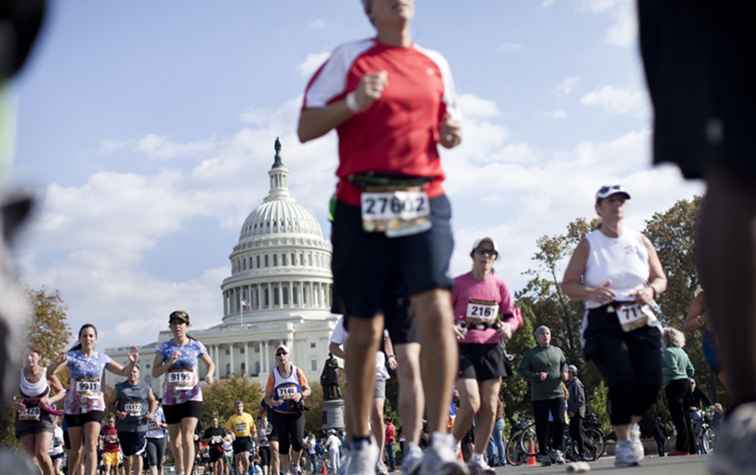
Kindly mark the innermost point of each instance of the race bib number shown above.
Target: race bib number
(286, 392)
(241, 428)
(481, 312)
(29, 414)
(634, 316)
(181, 380)
(396, 213)
(88, 389)
(133, 409)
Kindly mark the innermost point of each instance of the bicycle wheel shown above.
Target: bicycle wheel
(594, 444)
(529, 442)
(514, 455)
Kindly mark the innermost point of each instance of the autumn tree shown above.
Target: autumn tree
(220, 397)
(49, 332)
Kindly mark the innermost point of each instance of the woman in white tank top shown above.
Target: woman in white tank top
(616, 272)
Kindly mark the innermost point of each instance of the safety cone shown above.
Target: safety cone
(531, 454)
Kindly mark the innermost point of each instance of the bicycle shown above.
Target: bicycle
(703, 432)
(523, 442)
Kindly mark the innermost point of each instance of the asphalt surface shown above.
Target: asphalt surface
(651, 465)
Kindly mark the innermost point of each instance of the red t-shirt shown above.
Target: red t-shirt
(110, 442)
(398, 133)
(490, 289)
(390, 433)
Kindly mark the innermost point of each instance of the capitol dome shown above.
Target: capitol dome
(281, 263)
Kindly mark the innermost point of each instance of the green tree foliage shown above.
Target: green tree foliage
(314, 413)
(221, 395)
(49, 332)
(673, 234)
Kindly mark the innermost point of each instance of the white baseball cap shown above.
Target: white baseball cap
(608, 190)
(282, 347)
(478, 242)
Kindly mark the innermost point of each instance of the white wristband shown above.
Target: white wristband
(351, 102)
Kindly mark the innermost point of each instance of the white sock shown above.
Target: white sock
(442, 439)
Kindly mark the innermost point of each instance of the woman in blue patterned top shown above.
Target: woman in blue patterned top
(178, 359)
(85, 402)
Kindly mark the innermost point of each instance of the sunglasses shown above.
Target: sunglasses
(281, 353)
(606, 189)
(487, 252)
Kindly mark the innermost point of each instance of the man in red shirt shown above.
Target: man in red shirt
(389, 444)
(391, 103)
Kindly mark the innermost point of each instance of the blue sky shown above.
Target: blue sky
(147, 129)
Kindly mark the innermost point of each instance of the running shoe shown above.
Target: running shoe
(635, 439)
(411, 461)
(362, 459)
(624, 455)
(440, 459)
(736, 443)
(557, 457)
(478, 466)
(544, 459)
(380, 468)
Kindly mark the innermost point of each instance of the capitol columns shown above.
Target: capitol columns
(246, 359)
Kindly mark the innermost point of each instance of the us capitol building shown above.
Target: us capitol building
(279, 291)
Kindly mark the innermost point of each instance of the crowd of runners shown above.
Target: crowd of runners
(392, 104)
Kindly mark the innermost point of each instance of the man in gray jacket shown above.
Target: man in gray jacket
(576, 408)
(544, 367)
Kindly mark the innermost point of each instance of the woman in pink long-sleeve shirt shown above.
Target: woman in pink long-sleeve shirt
(485, 317)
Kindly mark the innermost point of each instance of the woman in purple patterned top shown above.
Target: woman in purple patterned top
(85, 402)
(178, 359)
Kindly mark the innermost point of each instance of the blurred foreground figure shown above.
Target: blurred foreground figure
(20, 22)
(698, 63)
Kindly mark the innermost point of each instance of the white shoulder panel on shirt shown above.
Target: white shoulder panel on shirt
(330, 80)
(450, 94)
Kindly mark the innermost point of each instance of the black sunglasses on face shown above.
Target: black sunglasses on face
(280, 353)
(607, 189)
(487, 252)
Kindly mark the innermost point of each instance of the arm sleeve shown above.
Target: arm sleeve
(330, 80)
(524, 368)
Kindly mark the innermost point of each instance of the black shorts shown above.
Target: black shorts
(155, 452)
(242, 444)
(132, 443)
(44, 424)
(216, 452)
(399, 322)
(481, 362)
(78, 420)
(371, 271)
(264, 453)
(174, 413)
(289, 429)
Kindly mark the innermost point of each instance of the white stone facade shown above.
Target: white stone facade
(279, 291)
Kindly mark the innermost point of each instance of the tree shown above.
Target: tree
(220, 397)
(314, 412)
(49, 332)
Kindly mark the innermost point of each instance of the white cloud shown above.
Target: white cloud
(510, 46)
(312, 62)
(100, 232)
(475, 107)
(317, 24)
(623, 28)
(616, 100)
(557, 114)
(567, 86)
(159, 147)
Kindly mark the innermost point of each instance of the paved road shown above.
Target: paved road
(690, 465)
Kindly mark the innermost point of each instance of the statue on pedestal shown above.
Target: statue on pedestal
(329, 379)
